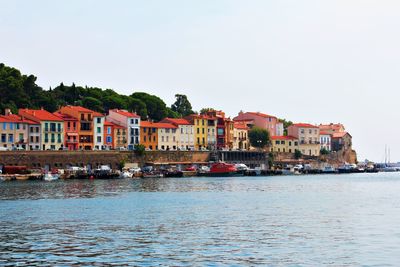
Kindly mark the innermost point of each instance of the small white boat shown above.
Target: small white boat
(51, 177)
(126, 174)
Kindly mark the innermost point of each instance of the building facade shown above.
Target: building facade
(51, 126)
(308, 136)
(185, 133)
(240, 136)
(284, 144)
(325, 140)
(268, 122)
(129, 120)
(70, 131)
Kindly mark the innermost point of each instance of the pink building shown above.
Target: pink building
(268, 122)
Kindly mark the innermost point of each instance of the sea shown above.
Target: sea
(302, 220)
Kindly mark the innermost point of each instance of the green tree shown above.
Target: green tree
(297, 154)
(286, 124)
(156, 107)
(205, 110)
(324, 151)
(137, 106)
(139, 149)
(93, 104)
(182, 105)
(259, 137)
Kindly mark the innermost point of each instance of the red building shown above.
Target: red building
(109, 134)
(70, 130)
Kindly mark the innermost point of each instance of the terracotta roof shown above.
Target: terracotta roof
(64, 117)
(340, 134)
(305, 125)
(108, 123)
(240, 125)
(332, 126)
(260, 114)
(283, 138)
(97, 114)
(15, 118)
(324, 133)
(176, 121)
(125, 113)
(79, 109)
(40, 114)
(157, 125)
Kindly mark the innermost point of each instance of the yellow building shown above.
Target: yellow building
(200, 123)
(284, 144)
(240, 136)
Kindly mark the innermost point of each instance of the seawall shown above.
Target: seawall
(63, 159)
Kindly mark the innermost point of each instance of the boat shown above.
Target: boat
(346, 168)
(126, 174)
(328, 169)
(173, 173)
(51, 176)
(222, 169)
(104, 172)
(152, 174)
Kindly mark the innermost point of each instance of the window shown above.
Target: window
(144, 129)
(109, 139)
(52, 127)
(17, 126)
(53, 138)
(154, 130)
(144, 138)
(154, 138)
(277, 142)
(46, 126)
(69, 125)
(4, 126)
(136, 131)
(98, 129)
(132, 121)
(58, 138)
(181, 130)
(98, 120)
(11, 138)
(283, 142)
(167, 138)
(11, 126)
(290, 143)
(21, 137)
(202, 131)
(59, 127)
(173, 138)
(108, 130)
(162, 138)
(98, 139)
(198, 130)
(3, 138)
(82, 117)
(167, 130)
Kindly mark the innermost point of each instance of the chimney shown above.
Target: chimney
(7, 112)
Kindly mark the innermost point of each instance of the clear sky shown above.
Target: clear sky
(307, 61)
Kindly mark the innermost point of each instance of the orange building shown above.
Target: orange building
(120, 136)
(149, 135)
(70, 131)
(85, 124)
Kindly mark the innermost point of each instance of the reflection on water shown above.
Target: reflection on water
(300, 220)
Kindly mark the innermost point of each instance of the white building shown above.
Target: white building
(131, 121)
(325, 140)
(98, 133)
(185, 133)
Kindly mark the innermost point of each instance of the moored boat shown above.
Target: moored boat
(222, 169)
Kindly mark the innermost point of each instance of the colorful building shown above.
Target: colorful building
(14, 132)
(85, 125)
(52, 130)
(308, 136)
(70, 131)
(185, 133)
(284, 144)
(240, 136)
(268, 122)
(149, 135)
(131, 121)
(109, 135)
(200, 130)
(120, 137)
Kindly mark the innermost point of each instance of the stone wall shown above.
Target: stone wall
(62, 159)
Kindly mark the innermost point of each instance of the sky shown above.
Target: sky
(305, 61)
